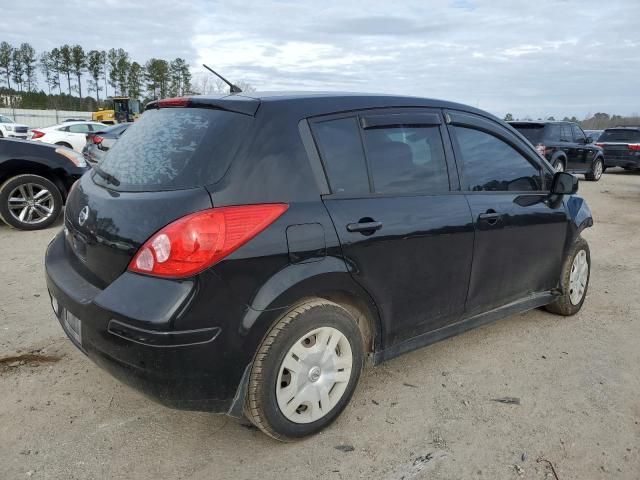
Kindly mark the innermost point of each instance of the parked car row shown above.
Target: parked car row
(244, 254)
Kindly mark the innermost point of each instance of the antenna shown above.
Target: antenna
(233, 88)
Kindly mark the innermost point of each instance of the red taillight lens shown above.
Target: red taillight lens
(97, 139)
(195, 242)
(36, 134)
(634, 147)
(173, 102)
(601, 145)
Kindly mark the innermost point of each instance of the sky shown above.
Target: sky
(529, 58)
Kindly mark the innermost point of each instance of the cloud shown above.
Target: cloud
(528, 58)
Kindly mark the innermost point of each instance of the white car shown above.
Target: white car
(11, 129)
(68, 134)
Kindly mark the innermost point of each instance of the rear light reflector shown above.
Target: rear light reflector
(193, 243)
(634, 147)
(173, 102)
(36, 134)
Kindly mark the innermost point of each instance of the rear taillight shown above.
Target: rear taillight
(601, 145)
(634, 147)
(97, 139)
(36, 134)
(195, 242)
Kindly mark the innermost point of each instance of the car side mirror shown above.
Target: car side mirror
(589, 139)
(564, 183)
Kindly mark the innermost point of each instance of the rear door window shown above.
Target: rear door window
(406, 159)
(491, 164)
(79, 128)
(174, 148)
(534, 133)
(565, 133)
(341, 151)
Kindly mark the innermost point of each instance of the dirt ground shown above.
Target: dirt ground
(429, 414)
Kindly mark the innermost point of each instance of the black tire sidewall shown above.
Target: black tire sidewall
(7, 187)
(321, 316)
(562, 305)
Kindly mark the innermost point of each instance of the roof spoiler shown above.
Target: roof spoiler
(231, 103)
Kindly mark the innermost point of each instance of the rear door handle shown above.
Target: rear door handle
(366, 228)
(491, 217)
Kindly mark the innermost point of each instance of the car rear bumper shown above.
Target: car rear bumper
(132, 338)
(626, 162)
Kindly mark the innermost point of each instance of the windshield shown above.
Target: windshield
(5, 119)
(620, 135)
(174, 148)
(533, 133)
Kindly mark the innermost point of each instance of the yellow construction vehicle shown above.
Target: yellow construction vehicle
(117, 110)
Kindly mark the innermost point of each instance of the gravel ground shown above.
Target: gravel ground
(429, 414)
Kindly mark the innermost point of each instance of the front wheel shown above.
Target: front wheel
(597, 169)
(29, 202)
(305, 371)
(574, 281)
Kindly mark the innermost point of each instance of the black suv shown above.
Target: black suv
(621, 147)
(34, 181)
(244, 254)
(565, 146)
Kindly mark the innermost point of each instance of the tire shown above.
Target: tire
(64, 144)
(597, 169)
(559, 165)
(568, 304)
(40, 209)
(303, 331)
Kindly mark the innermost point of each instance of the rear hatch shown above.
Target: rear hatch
(620, 144)
(534, 132)
(153, 175)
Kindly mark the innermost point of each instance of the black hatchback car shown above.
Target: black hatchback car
(245, 254)
(565, 146)
(621, 147)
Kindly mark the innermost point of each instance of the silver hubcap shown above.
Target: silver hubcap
(559, 166)
(31, 203)
(314, 375)
(597, 171)
(578, 277)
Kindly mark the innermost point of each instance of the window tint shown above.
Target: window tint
(620, 135)
(489, 164)
(406, 159)
(532, 132)
(578, 135)
(5, 119)
(342, 154)
(553, 132)
(175, 148)
(79, 128)
(565, 133)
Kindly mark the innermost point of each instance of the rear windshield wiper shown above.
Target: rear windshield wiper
(107, 176)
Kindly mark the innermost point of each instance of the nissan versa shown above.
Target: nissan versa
(245, 254)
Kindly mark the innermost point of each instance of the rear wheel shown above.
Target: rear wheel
(597, 170)
(29, 202)
(574, 281)
(558, 165)
(305, 371)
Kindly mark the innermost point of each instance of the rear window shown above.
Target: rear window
(620, 135)
(172, 149)
(533, 133)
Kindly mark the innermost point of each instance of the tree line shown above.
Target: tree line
(597, 121)
(64, 69)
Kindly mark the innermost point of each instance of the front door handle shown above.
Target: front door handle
(366, 228)
(490, 216)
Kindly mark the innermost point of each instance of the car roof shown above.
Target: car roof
(538, 122)
(315, 103)
(68, 124)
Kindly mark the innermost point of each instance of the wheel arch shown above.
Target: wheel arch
(16, 167)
